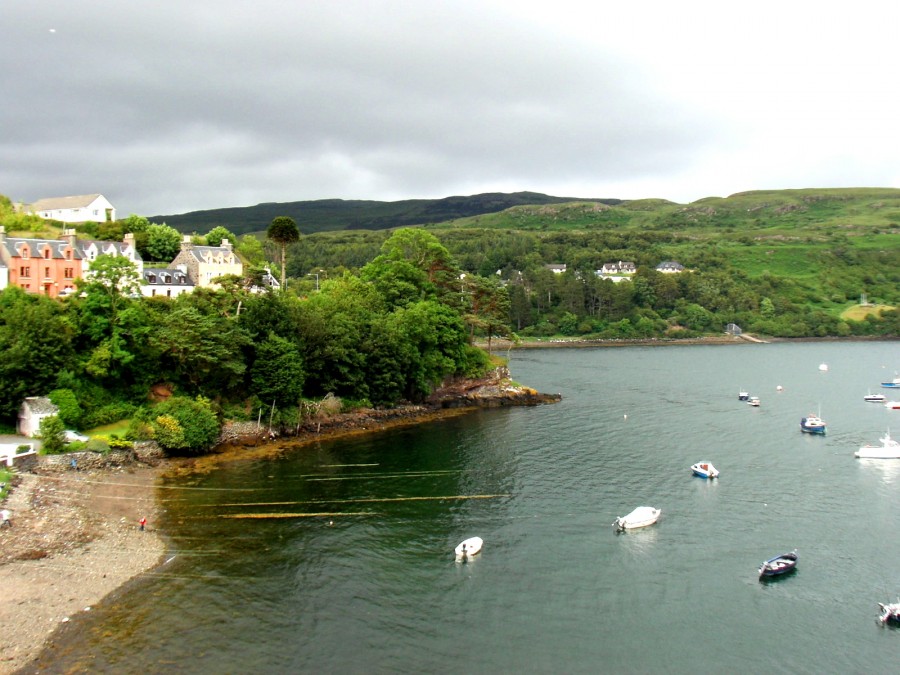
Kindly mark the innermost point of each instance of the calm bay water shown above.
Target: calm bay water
(259, 585)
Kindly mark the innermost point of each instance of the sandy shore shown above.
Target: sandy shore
(75, 538)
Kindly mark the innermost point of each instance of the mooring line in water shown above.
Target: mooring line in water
(335, 466)
(316, 477)
(299, 515)
(359, 501)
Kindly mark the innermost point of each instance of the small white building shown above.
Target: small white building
(76, 209)
(556, 268)
(33, 410)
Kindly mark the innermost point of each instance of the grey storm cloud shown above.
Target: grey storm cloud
(173, 106)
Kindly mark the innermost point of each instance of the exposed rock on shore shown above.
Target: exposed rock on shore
(492, 391)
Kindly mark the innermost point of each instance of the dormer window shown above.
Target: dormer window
(47, 253)
(25, 252)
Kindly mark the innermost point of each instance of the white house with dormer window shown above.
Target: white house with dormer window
(165, 283)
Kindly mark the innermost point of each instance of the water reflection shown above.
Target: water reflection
(888, 469)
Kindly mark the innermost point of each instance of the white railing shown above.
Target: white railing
(10, 452)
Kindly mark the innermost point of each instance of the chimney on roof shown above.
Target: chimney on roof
(69, 236)
(2, 235)
(129, 239)
(186, 243)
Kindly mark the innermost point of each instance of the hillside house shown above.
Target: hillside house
(161, 281)
(32, 411)
(620, 267)
(51, 266)
(204, 264)
(670, 267)
(77, 209)
(556, 268)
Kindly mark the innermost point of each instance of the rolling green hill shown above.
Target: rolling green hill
(337, 214)
(786, 212)
(798, 214)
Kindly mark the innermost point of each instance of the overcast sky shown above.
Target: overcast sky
(169, 106)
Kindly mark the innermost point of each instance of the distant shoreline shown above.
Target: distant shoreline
(574, 343)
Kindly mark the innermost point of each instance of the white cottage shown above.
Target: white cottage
(33, 410)
(76, 209)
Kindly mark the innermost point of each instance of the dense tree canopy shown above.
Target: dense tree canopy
(405, 320)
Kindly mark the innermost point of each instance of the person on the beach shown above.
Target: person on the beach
(5, 514)
(143, 523)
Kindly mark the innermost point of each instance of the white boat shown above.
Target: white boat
(875, 398)
(466, 549)
(823, 366)
(705, 470)
(892, 405)
(892, 384)
(642, 516)
(743, 396)
(889, 449)
(754, 401)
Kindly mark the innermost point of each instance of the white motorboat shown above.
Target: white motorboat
(705, 470)
(743, 396)
(754, 401)
(892, 405)
(892, 384)
(466, 549)
(875, 398)
(642, 516)
(889, 449)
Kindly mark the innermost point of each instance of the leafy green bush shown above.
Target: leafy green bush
(475, 362)
(181, 424)
(107, 414)
(52, 432)
(97, 445)
(69, 410)
(113, 442)
(5, 478)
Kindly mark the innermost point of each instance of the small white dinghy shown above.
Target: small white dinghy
(705, 470)
(466, 549)
(642, 516)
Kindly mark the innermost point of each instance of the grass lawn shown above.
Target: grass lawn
(860, 312)
(115, 429)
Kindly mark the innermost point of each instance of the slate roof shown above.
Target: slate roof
(54, 203)
(40, 405)
(57, 247)
(163, 276)
(202, 253)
